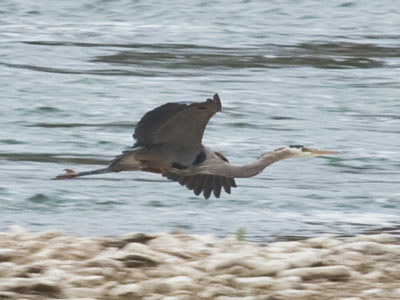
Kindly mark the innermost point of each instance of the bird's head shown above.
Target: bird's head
(301, 151)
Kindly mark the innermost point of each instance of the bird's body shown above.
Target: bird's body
(169, 142)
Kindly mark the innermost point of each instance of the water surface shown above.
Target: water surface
(78, 75)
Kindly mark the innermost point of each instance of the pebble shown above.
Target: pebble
(328, 272)
(6, 254)
(303, 258)
(223, 261)
(267, 268)
(52, 264)
(323, 242)
(254, 282)
(235, 298)
(180, 283)
(374, 291)
(291, 294)
(135, 260)
(127, 290)
(287, 283)
(368, 248)
(87, 281)
(155, 285)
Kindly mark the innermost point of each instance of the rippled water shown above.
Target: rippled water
(76, 76)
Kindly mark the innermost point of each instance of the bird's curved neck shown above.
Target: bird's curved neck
(254, 168)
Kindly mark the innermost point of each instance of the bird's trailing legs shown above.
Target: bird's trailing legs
(69, 174)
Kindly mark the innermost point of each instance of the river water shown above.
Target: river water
(76, 76)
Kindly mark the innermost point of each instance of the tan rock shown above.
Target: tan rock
(215, 290)
(138, 248)
(328, 273)
(292, 294)
(397, 292)
(7, 254)
(78, 292)
(127, 290)
(266, 267)
(180, 283)
(303, 258)
(287, 283)
(44, 254)
(136, 237)
(40, 286)
(166, 243)
(105, 272)
(7, 269)
(56, 274)
(171, 298)
(172, 270)
(324, 242)
(103, 262)
(154, 296)
(135, 260)
(285, 247)
(373, 291)
(33, 246)
(368, 248)
(184, 267)
(178, 297)
(87, 281)
(374, 275)
(235, 298)
(51, 234)
(156, 286)
(141, 249)
(84, 298)
(393, 249)
(223, 261)
(16, 231)
(171, 245)
(382, 238)
(8, 295)
(254, 282)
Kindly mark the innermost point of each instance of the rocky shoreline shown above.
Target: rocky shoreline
(54, 265)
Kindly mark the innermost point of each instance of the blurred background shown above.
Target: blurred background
(76, 76)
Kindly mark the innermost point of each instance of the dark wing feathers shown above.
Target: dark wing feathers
(198, 187)
(178, 124)
(204, 183)
(217, 185)
(149, 127)
(207, 186)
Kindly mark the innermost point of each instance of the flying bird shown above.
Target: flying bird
(169, 142)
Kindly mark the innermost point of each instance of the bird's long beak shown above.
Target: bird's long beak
(322, 152)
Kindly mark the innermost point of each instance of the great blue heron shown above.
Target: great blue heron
(169, 142)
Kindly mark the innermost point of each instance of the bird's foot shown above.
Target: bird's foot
(67, 175)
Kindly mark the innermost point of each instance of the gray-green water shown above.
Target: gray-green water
(76, 76)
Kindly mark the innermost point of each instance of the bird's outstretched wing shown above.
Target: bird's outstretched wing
(204, 183)
(176, 124)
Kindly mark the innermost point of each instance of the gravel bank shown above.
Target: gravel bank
(53, 265)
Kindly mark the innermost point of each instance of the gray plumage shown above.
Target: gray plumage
(169, 142)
